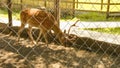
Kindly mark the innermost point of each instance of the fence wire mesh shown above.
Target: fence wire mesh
(95, 39)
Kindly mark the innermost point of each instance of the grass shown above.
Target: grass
(106, 30)
(78, 6)
(84, 16)
(4, 13)
(92, 16)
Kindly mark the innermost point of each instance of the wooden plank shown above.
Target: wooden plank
(91, 3)
(90, 10)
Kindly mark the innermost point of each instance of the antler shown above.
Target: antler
(70, 38)
(72, 26)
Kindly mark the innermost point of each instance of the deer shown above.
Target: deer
(41, 19)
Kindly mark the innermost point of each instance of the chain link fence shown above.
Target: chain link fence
(91, 40)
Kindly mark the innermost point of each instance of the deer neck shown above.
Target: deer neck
(57, 30)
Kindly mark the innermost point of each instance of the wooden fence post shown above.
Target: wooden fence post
(101, 4)
(45, 3)
(57, 10)
(77, 4)
(9, 4)
(108, 7)
(73, 10)
(21, 1)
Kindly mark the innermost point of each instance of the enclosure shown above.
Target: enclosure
(92, 28)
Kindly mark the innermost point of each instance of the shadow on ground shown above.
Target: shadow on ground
(53, 56)
(84, 53)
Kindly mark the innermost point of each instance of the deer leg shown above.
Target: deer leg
(20, 31)
(61, 38)
(30, 34)
(45, 36)
(40, 33)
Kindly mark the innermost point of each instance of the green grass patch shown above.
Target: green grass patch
(83, 16)
(15, 13)
(3, 12)
(86, 16)
(91, 16)
(106, 30)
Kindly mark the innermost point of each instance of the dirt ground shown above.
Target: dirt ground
(24, 55)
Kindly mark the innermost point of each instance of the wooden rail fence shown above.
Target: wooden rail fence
(74, 7)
